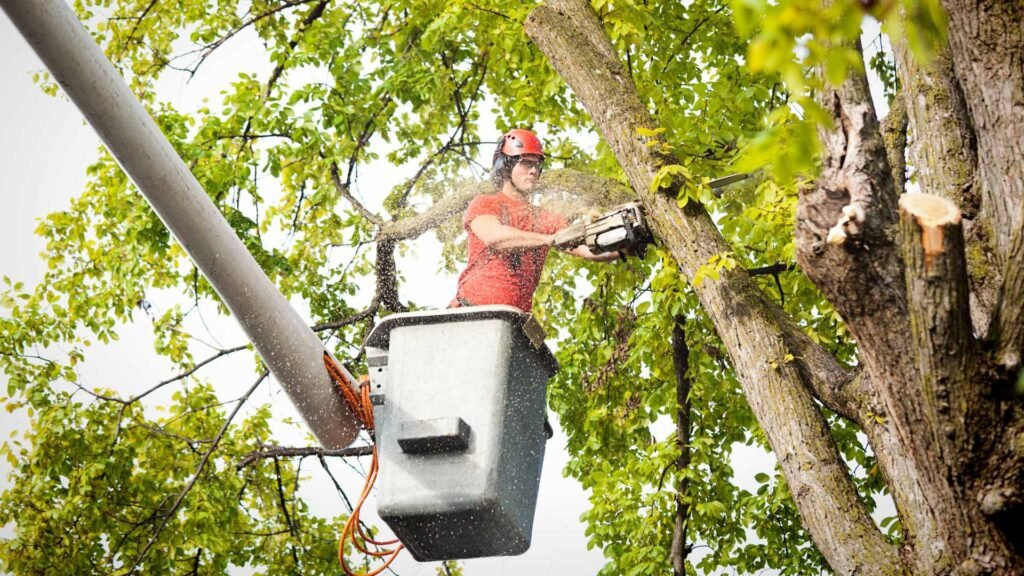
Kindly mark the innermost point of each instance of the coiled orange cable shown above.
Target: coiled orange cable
(361, 406)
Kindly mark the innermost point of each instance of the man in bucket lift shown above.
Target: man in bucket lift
(509, 237)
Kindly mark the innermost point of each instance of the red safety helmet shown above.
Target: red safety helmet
(517, 142)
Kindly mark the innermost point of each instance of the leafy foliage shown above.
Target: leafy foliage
(418, 84)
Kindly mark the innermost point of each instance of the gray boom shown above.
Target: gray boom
(289, 347)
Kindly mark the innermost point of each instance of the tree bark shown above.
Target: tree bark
(918, 354)
(572, 37)
(986, 39)
(894, 130)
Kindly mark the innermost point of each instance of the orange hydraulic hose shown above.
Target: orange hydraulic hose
(362, 410)
(361, 406)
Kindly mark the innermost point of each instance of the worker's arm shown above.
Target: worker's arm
(496, 235)
(583, 251)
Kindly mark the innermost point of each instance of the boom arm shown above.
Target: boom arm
(289, 347)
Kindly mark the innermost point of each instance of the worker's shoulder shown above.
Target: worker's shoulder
(482, 205)
(484, 202)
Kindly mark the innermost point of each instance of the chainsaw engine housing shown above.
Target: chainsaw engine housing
(620, 229)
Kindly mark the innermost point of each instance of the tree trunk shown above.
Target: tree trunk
(986, 39)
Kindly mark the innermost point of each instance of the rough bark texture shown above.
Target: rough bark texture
(572, 37)
(920, 359)
(933, 250)
(933, 398)
(986, 38)
(894, 130)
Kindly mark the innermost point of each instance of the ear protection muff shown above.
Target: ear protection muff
(501, 165)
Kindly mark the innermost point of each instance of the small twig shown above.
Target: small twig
(138, 21)
(209, 48)
(195, 477)
(370, 311)
(774, 271)
(343, 189)
(163, 383)
(489, 11)
(337, 486)
(686, 39)
(162, 432)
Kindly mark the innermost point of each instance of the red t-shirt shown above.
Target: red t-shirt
(506, 276)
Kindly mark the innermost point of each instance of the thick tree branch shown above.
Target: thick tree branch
(569, 33)
(958, 411)
(915, 346)
(847, 244)
(844, 392)
(844, 225)
(942, 141)
(894, 130)
(443, 209)
(303, 452)
(943, 151)
(1001, 493)
(933, 249)
(986, 42)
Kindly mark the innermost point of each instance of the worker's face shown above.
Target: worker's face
(526, 172)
